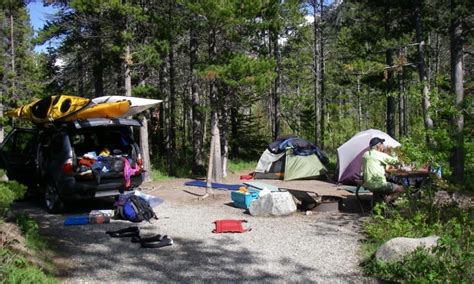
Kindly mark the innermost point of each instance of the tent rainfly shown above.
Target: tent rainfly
(291, 158)
(349, 154)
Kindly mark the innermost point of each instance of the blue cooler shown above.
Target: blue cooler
(243, 200)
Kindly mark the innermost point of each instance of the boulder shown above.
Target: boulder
(273, 204)
(4, 178)
(397, 248)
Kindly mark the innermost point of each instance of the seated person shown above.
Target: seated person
(374, 162)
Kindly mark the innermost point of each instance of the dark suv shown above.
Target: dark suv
(78, 160)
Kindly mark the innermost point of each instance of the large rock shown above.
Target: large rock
(273, 204)
(395, 249)
(4, 178)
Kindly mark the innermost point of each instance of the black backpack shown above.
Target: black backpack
(136, 209)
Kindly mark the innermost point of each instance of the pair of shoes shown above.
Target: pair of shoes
(165, 241)
(124, 233)
(155, 238)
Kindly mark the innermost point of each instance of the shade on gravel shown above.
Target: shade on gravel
(321, 247)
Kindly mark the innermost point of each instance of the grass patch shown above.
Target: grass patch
(16, 269)
(241, 165)
(159, 175)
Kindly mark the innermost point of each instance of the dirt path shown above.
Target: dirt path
(322, 247)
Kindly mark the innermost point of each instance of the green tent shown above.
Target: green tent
(288, 166)
(303, 167)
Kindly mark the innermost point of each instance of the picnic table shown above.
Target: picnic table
(416, 177)
(424, 172)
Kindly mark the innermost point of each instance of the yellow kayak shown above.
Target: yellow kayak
(21, 112)
(105, 110)
(50, 109)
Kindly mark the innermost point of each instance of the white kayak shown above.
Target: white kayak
(137, 105)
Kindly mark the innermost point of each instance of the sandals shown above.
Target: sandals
(165, 241)
(139, 239)
(124, 233)
(156, 241)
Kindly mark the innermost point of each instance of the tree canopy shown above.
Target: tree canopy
(323, 70)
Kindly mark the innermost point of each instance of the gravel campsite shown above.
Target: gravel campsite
(315, 247)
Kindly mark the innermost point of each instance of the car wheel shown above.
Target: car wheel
(53, 201)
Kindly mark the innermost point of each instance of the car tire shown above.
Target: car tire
(53, 201)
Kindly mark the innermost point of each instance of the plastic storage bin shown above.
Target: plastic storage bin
(243, 200)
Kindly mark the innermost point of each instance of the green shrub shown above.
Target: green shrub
(451, 261)
(418, 267)
(29, 228)
(10, 191)
(16, 269)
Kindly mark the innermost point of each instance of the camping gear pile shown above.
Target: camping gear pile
(291, 158)
(243, 197)
(132, 206)
(262, 199)
(273, 204)
(107, 163)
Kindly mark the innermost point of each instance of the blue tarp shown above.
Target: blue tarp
(352, 189)
(201, 183)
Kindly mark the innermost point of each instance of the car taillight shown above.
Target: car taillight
(67, 167)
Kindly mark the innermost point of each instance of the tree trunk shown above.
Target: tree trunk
(2, 131)
(128, 77)
(401, 105)
(366, 111)
(234, 125)
(359, 104)
(316, 76)
(322, 78)
(215, 165)
(80, 73)
(437, 58)
(425, 92)
(145, 148)
(197, 119)
(12, 51)
(276, 84)
(457, 162)
(165, 90)
(391, 104)
(225, 130)
(401, 97)
(98, 65)
(171, 112)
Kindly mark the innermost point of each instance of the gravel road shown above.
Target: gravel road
(321, 247)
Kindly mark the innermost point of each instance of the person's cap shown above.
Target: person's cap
(376, 140)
